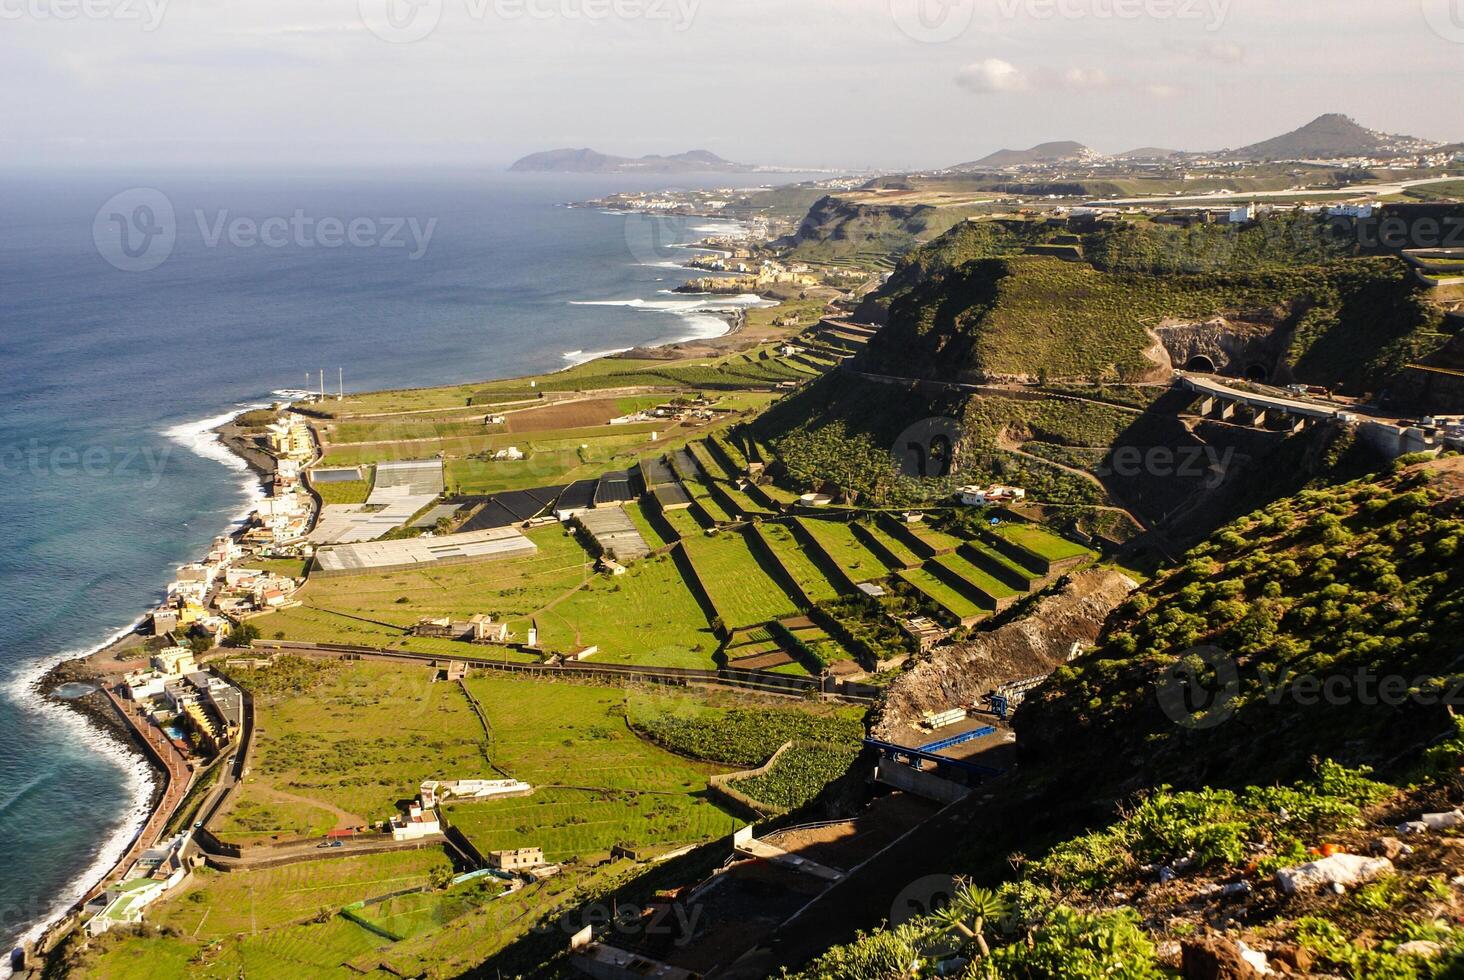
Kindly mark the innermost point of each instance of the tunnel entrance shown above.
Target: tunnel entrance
(1257, 372)
(1200, 364)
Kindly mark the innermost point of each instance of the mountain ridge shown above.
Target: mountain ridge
(586, 160)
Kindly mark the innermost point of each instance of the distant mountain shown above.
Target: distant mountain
(587, 161)
(1147, 153)
(1059, 152)
(1328, 138)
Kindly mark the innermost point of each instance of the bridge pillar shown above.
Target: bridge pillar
(1207, 405)
(1298, 423)
(1260, 419)
(1225, 411)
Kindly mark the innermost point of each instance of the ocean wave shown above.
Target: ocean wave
(200, 439)
(23, 690)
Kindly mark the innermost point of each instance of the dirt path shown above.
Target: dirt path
(344, 818)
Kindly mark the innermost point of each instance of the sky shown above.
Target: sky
(886, 84)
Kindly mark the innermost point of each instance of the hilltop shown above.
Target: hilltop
(588, 161)
(1328, 137)
(1055, 152)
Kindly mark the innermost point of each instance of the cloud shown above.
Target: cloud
(996, 76)
(992, 75)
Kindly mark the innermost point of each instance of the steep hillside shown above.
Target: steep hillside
(1253, 727)
(1359, 582)
(1011, 300)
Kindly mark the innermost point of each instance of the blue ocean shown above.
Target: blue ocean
(139, 311)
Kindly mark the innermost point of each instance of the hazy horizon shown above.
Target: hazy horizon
(858, 84)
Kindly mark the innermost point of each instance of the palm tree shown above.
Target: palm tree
(969, 911)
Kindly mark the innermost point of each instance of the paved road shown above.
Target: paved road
(1234, 197)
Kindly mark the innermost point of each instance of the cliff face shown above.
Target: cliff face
(1032, 645)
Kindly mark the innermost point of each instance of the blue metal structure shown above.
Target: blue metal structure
(946, 743)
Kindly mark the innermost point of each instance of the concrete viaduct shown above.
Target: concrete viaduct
(1220, 401)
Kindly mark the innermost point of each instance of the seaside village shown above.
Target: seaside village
(193, 720)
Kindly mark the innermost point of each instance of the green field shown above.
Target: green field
(846, 550)
(740, 589)
(941, 594)
(345, 751)
(249, 902)
(1040, 542)
(983, 580)
(375, 609)
(646, 616)
(800, 566)
(899, 549)
(597, 784)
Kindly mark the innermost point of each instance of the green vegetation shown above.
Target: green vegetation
(740, 589)
(338, 747)
(798, 775)
(741, 736)
(596, 783)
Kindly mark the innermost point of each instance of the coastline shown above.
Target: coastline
(221, 439)
(92, 714)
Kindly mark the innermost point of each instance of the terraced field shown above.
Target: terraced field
(740, 589)
(988, 584)
(898, 550)
(799, 565)
(845, 549)
(942, 595)
(1040, 542)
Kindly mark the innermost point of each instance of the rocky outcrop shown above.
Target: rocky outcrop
(1032, 645)
(1220, 345)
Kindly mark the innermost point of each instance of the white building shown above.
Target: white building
(977, 496)
(416, 824)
